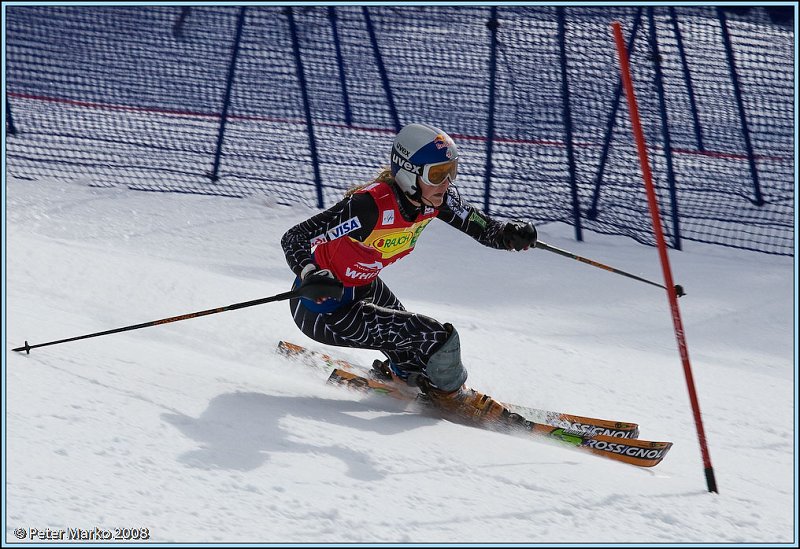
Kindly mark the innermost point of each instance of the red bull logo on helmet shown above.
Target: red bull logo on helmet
(444, 142)
(440, 141)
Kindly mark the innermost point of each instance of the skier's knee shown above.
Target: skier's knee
(445, 369)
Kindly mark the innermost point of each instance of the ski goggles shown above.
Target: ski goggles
(436, 174)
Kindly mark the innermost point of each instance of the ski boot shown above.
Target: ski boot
(381, 370)
(472, 406)
(467, 403)
(384, 370)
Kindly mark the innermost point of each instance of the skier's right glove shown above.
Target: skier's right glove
(319, 284)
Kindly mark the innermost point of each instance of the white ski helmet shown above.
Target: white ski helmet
(423, 153)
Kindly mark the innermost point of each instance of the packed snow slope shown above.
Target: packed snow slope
(198, 431)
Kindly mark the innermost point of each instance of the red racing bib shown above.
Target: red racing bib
(358, 263)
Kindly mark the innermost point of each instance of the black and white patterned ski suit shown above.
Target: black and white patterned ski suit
(371, 316)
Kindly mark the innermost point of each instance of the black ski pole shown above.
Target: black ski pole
(539, 244)
(278, 297)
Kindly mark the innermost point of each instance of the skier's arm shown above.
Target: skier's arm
(514, 235)
(298, 240)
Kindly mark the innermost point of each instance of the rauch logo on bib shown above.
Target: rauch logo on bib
(394, 242)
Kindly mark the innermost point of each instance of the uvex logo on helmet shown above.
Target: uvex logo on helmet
(406, 165)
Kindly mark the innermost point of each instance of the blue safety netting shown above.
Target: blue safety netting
(301, 103)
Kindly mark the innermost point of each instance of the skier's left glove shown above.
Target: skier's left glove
(518, 235)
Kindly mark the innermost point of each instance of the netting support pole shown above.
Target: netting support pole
(592, 212)
(662, 107)
(226, 100)
(562, 42)
(493, 25)
(652, 202)
(737, 92)
(177, 27)
(348, 113)
(382, 69)
(10, 127)
(687, 76)
(301, 78)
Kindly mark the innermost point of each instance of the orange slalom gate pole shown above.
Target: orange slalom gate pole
(662, 249)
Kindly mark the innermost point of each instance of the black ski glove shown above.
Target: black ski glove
(319, 284)
(518, 235)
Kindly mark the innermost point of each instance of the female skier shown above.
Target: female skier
(338, 254)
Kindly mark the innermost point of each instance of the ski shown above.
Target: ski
(571, 422)
(642, 453)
